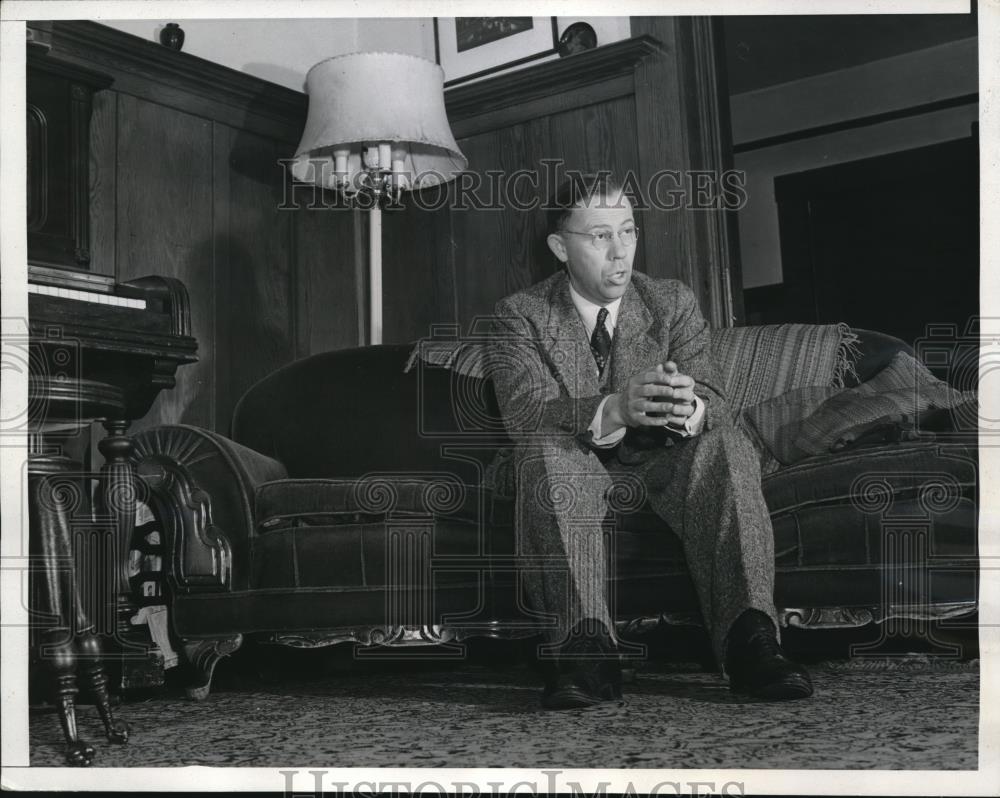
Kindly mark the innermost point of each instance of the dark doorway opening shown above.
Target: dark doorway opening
(889, 243)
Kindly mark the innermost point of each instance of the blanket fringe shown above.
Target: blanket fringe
(464, 357)
(848, 353)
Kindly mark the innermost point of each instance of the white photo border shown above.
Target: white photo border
(15, 770)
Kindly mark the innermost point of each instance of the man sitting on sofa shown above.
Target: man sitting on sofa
(600, 371)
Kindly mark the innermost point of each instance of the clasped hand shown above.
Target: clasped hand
(638, 405)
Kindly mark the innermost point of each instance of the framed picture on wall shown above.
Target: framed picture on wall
(472, 47)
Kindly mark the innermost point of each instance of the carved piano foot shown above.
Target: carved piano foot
(62, 664)
(202, 657)
(94, 678)
(79, 754)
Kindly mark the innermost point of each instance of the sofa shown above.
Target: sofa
(362, 497)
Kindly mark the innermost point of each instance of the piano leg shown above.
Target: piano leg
(118, 499)
(118, 495)
(62, 664)
(94, 678)
(56, 493)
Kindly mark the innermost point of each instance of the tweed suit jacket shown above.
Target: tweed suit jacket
(545, 376)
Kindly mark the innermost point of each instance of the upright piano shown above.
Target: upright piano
(99, 350)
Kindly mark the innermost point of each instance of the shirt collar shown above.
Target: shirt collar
(588, 311)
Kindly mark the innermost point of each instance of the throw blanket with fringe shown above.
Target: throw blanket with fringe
(812, 421)
(755, 363)
(890, 403)
(758, 363)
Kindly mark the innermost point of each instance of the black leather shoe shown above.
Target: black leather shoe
(586, 671)
(756, 664)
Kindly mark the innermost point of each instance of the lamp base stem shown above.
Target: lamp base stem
(375, 275)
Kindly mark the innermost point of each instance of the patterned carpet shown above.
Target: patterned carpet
(915, 714)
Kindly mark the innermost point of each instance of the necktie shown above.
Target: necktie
(600, 341)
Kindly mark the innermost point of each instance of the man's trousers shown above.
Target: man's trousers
(706, 488)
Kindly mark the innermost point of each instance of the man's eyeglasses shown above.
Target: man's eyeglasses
(603, 240)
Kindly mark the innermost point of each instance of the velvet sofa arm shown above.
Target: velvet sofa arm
(200, 487)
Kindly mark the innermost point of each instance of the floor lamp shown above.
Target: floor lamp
(376, 127)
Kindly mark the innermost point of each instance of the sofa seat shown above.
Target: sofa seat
(342, 532)
(285, 502)
(833, 519)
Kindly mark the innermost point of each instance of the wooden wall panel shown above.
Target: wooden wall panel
(259, 321)
(443, 269)
(326, 255)
(500, 248)
(528, 258)
(599, 136)
(222, 402)
(482, 239)
(682, 123)
(411, 304)
(662, 144)
(164, 227)
(103, 182)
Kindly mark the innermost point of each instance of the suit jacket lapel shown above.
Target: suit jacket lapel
(566, 343)
(635, 345)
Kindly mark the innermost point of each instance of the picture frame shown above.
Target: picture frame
(468, 48)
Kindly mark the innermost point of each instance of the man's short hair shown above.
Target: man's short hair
(577, 188)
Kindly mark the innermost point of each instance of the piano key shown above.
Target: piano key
(94, 297)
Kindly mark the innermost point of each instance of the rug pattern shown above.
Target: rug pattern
(478, 717)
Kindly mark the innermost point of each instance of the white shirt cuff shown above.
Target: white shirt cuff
(609, 440)
(692, 426)
(694, 422)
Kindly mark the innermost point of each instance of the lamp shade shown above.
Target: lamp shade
(361, 100)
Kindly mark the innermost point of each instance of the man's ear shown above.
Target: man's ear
(558, 246)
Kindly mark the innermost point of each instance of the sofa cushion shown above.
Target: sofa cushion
(888, 406)
(365, 533)
(773, 425)
(290, 502)
(869, 477)
(368, 554)
(875, 351)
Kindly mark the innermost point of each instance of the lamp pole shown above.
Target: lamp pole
(382, 179)
(375, 274)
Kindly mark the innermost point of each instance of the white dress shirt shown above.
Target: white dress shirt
(588, 314)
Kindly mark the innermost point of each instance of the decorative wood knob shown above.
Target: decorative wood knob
(172, 36)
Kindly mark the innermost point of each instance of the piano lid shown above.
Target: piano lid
(59, 277)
